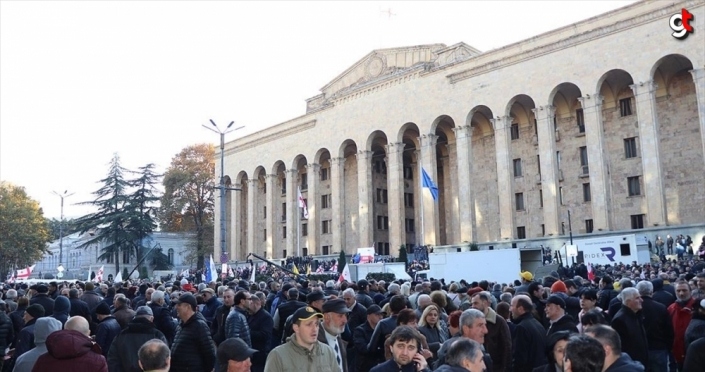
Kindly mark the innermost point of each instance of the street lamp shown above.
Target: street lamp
(63, 195)
(221, 186)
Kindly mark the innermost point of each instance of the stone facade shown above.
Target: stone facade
(582, 119)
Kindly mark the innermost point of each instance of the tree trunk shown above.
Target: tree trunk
(117, 261)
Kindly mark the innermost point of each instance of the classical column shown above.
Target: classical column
(650, 157)
(549, 167)
(430, 207)
(271, 218)
(216, 230)
(453, 226)
(365, 218)
(251, 188)
(312, 204)
(291, 210)
(505, 180)
(395, 193)
(699, 80)
(466, 203)
(600, 195)
(235, 224)
(337, 202)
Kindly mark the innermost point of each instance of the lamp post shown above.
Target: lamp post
(221, 186)
(63, 195)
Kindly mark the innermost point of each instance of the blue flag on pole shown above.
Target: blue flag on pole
(210, 271)
(428, 183)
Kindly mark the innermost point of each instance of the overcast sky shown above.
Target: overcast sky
(82, 80)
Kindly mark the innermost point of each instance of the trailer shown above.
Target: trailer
(500, 266)
(609, 250)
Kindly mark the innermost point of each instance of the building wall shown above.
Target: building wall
(600, 60)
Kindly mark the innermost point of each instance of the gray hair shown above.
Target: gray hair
(645, 288)
(394, 288)
(157, 296)
(467, 318)
(506, 297)
(201, 287)
(462, 349)
(625, 283)
(405, 289)
(11, 294)
(349, 291)
(485, 296)
(628, 294)
(497, 287)
(330, 284)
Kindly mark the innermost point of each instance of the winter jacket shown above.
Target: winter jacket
(122, 356)
(283, 312)
(290, 357)
(681, 314)
(261, 327)
(695, 359)
(565, 323)
(62, 308)
(7, 333)
(657, 324)
(444, 350)
(163, 321)
(391, 366)
(106, 332)
(383, 329)
(193, 349)
(79, 308)
(70, 351)
(695, 330)
(17, 318)
(236, 325)
(42, 329)
(605, 296)
(498, 341)
(529, 344)
(625, 364)
(123, 316)
(91, 299)
(630, 327)
(572, 304)
(209, 309)
(364, 299)
(218, 324)
(357, 316)
(361, 337)
(44, 300)
(26, 340)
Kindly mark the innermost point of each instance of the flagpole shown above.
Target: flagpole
(423, 236)
(298, 225)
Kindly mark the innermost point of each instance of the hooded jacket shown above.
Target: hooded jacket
(70, 351)
(122, 356)
(62, 308)
(625, 364)
(42, 329)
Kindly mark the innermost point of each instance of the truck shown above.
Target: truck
(610, 250)
(500, 265)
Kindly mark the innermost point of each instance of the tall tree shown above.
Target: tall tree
(55, 227)
(188, 201)
(141, 205)
(109, 223)
(24, 232)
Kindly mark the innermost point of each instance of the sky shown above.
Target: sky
(81, 81)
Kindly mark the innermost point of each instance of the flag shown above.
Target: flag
(319, 270)
(334, 268)
(99, 276)
(427, 183)
(302, 204)
(263, 267)
(295, 270)
(308, 269)
(118, 277)
(345, 275)
(185, 273)
(25, 273)
(12, 277)
(591, 273)
(210, 273)
(253, 269)
(230, 272)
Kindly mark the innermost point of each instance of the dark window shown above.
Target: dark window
(382, 248)
(265, 235)
(264, 211)
(304, 229)
(625, 106)
(514, 129)
(521, 232)
(583, 156)
(283, 186)
(560, 195)
(409, 223)
(284, 252)
(324, 174)
(637, 221)
(634, 186)
(325, 201)
(382, 223)
(382, 196)
(630, 148)
(304, 251)
(543, 230)
(408, 200)
(538, 161)
(580, 119)
(625, 249)
(519, 200)
(541, 198)
(301, 210)
(325, 249)
(284, 232)
(325, 227)
(587, 197)
(283, 212)
(588, 226)
(517, 167)
(304, 181)
(408, 173)
(536, 127)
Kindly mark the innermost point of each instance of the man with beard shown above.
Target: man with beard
(221, 314)
(333, 325)
(681, 313)
(405, 345)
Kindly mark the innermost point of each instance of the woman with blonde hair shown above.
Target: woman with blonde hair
(430, 325)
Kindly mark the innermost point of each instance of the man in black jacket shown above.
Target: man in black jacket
(162, 316)
(79, 307)
(7, 334)
(285, 310)
(193, 348)
(385, 327)
(362, 336)
(358, 313)
(629, 325)
(42, 298)
(607, 293)
(557, 318)
(658, 326)
(261, 325)
(363, 296)
(122, 356)
(529, 342)
(221, 314)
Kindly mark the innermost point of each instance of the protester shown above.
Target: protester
(234, 355)
(42, 329)
(123, 353)
(154, 356)
(71, 350)
(193, 348)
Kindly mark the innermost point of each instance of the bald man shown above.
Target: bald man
(72, 349)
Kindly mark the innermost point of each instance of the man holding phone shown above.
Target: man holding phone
(405, 344)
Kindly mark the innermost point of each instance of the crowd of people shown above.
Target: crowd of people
(625, 317)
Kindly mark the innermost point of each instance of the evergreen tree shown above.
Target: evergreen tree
(109, 225)
(342, 261)
(403, 257)
(141, 207)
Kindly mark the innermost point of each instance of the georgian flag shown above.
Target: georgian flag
(25, 273)
(319, 270)
(591, 273)
(302, 204)
(99, 276)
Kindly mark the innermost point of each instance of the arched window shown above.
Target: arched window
(171, 256)
(126, 256)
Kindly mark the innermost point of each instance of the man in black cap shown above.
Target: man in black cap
(362, 336)
(363, 296)
(25, 341)
(123, 353)
(335, 317)
(284, 311)
(234, 356)
(316, 300)
(42, 298)
(556, 316)
(108, 328)
(193, 348)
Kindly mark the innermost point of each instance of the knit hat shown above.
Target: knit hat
(559, 286)
(35, 310)
(102, 309)
(556, 300)
(44, 327)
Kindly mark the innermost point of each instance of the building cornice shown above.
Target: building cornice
(249, 142)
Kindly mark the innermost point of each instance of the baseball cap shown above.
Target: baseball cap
(335, 306)
(305, 313)
(233, 349)
(526, 275)
(315, 296)
(144, 310)
(188, 299)
(374, 309)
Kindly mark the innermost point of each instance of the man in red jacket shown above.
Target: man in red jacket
(71, 350)
(681, 313)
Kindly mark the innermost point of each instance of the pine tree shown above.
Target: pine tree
(403, 257)
(109, 224)
(141, 206)
(342, 261)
